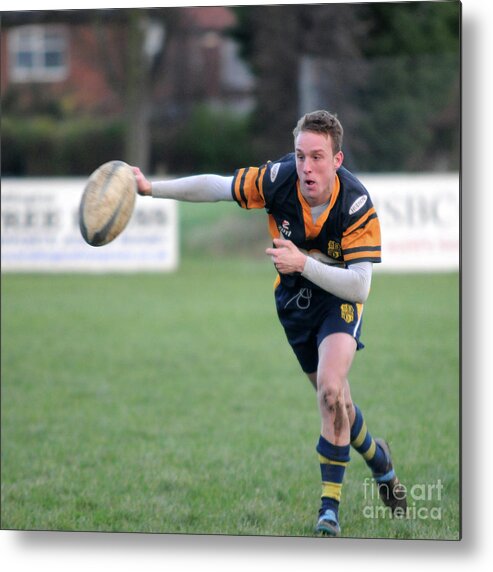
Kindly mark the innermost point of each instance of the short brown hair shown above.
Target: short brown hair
(322, 121)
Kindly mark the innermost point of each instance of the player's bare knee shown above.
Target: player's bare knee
(349, 408)
(331, 398)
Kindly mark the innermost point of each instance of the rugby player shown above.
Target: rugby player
(326, 237)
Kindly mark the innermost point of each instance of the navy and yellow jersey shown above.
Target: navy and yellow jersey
(348, 230)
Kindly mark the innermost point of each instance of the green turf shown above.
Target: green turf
(171, 403)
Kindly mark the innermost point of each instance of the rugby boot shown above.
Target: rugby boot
(391, 490)
(328, 524)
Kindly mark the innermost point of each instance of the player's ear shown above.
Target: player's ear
(338, 159)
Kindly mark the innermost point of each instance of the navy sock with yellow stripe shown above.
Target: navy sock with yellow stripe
(333, 462)
(364, 443)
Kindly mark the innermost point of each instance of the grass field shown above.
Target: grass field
(171, 403)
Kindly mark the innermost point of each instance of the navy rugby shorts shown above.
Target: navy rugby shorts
(308, 315)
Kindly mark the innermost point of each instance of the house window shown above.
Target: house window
(38, 53)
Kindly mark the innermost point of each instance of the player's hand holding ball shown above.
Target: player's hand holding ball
(286, 257)
(143, 185)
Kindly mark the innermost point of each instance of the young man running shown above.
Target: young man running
(326, 237)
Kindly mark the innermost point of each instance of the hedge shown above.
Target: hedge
(44, 146)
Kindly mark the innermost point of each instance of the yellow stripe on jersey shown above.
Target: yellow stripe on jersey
(362, 240)
(360, 221)
(273, 229)
(370, 255)
(312, 230)
(236, 189)
(274, 232)
(248, 187)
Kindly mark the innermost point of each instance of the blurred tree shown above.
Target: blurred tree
(412, 28)
(390, 70)
(134, 66)
(273, 40)
(412, 98)
(263, 32)
(132, 44)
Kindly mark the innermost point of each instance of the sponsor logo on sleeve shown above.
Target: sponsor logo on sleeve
(274, 171)
(358, 204)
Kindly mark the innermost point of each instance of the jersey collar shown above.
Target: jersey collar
(313, 229)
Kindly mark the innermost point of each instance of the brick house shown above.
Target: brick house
(74, 58)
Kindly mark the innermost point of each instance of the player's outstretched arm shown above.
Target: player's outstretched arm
(197, 188)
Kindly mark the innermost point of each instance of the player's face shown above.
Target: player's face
(316, 166)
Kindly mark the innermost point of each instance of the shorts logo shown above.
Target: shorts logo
(274, 170)
(358, 204)
(347, 313)
(302, 299)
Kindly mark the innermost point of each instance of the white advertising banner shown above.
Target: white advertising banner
(419, 218)
(40, 231)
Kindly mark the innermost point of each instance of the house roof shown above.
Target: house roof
(201, 17)
(211, 17)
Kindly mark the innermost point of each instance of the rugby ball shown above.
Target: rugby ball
(107, 202)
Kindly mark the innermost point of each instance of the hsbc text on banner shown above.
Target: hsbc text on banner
(420, 220)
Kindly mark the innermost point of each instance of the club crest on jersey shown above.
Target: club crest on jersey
(334, 249)
(358, 204)
(274, 170)
(347, 313)
(285, 229)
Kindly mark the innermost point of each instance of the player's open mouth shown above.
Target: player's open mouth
(309, 183)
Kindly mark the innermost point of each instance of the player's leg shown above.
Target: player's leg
(336, 353)
(369, 448)
(312, 377)
(375, 452)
